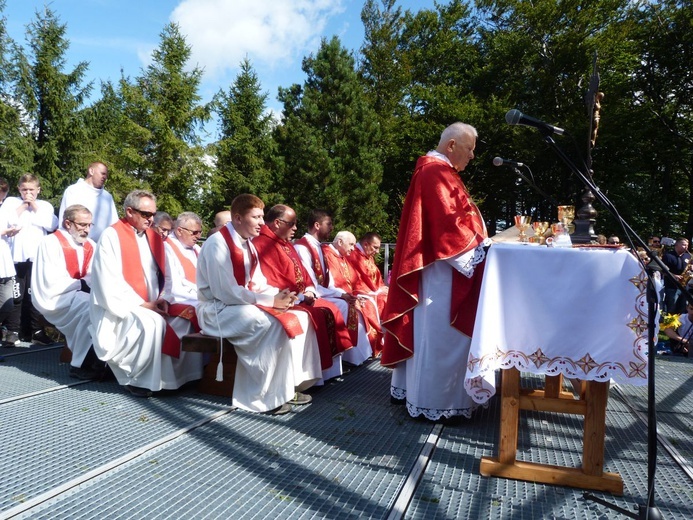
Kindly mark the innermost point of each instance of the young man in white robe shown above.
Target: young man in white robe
(61, 281)
(277, 350)
(90, 192)
(128, 314)
(180, 289)
(309, 249)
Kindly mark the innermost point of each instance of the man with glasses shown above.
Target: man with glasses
(181, 278)
(61, 281)
(128, 313)
(90, 192)
(163, 224)
(283, 269)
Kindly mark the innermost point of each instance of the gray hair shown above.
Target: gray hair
(134, 197)
(72, 211)
(343, 236)
(456, 131)
(185, 217)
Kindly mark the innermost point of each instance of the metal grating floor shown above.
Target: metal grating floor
(93, 451)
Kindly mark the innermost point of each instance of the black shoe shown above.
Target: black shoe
(85, 374)
(139, 391)
(399, 402)
(301, 399)
(280, 410)
(41, 338)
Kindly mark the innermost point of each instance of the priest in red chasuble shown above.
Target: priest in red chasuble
(284, 270)
(435, 283)
(342, 277)
(362, 259)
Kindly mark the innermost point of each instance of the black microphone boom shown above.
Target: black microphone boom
(499, 161)
(515, 117)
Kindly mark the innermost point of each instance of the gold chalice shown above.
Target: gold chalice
(522, 223)
(566, 214)
(539, 231)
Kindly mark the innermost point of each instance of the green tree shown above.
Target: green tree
(164, 115)
(246, 151)
(16, 146)
(52, 99)
(329, 142)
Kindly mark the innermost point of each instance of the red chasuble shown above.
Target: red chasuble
(439, 221)
(369, 275)
(284, 270)
(133, 272)
(346, 279)
(71, 259)
(291, 325)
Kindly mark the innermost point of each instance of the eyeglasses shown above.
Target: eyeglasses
(145, 214)
(82, 225)
(193, 233)
(164, 231)
(655, 241)
(290, 224)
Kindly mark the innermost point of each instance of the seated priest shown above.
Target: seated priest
(128, 314)
(180, 288)
(362, 260)
(61, 280)
(283, 269)
(276, 347)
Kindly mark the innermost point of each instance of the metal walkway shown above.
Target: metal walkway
(92, 451)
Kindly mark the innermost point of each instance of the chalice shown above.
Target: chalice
(539, 230)
(566, 214)
(522, 223)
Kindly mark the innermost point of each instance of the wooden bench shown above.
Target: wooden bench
(198, 342)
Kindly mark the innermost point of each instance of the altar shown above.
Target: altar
(579, 313)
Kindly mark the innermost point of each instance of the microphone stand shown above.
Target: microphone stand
(648, 510)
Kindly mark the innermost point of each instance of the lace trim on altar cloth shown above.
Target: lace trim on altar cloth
(469, 260)
(433, 414)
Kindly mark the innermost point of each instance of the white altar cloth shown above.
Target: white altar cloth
(578, 312)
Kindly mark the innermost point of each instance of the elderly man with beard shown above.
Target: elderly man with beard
(128, 314)
(61, 281)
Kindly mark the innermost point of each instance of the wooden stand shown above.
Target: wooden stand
(210, 344)
(592, 404)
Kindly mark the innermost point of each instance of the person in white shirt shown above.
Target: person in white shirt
(7, 272)
(61, 282)
(33, 219)
(90, 192)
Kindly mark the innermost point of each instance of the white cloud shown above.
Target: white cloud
(272, 32)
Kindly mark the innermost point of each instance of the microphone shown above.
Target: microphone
(498, 161)
(515, 117)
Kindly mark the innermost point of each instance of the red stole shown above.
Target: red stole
(181, 310)
(291, 325)
(188, 267)
(320, 276)
(133, 272)
(284, 270)
(370, 276)
(439, 221)
(346, 279)
(71, 260)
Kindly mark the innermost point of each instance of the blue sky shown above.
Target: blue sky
(274, 34)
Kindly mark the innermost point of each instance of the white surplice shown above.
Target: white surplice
(270, 365)
(59, 297)
(362, 350)
(98, 201)
(441, 350)
(33, 225)
(177, 288)
(126, 335)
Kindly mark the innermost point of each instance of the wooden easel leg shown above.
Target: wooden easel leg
(509, 416)
(596, 395)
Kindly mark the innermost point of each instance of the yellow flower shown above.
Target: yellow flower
(670, 321)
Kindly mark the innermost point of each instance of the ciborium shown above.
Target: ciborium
(522, 223)
(539, 231)
(566, 215)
